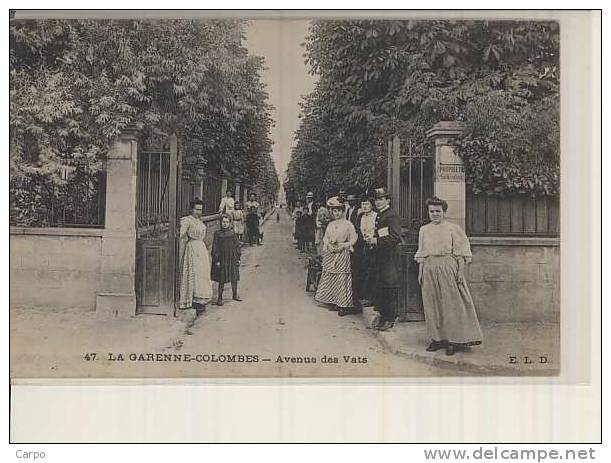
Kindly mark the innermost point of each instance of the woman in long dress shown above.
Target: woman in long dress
(335, 285)
(365, 253)
(443, 252)
(195, 286)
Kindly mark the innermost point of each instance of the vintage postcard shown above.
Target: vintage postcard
(218, 196)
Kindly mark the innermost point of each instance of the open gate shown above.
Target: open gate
(157, 234)
(410, 179)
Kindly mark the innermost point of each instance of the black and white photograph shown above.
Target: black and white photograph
(219, 196)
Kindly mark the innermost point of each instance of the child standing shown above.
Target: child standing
(237, 215)
(226, 254)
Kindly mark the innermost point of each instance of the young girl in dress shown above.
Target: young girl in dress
(238, 220)
(226, 254)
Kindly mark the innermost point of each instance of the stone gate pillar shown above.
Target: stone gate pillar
(449, 171)
(117, 295)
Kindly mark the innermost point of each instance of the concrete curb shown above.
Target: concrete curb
(458, 362)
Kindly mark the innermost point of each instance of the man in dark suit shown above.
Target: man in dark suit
(352, 208)
(388, 271)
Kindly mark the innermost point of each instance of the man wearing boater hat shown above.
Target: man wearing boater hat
(386, 238)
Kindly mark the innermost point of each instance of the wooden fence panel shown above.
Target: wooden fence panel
(517, 215)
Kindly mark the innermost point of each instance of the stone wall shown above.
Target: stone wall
(515, 279)
(53, 267)
(62, 267)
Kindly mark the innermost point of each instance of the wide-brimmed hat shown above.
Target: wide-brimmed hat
(380, 193)
(334, 202)
(310, 195)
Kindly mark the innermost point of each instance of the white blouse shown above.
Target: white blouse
(368, 223)
(443, 239)
(339, 231)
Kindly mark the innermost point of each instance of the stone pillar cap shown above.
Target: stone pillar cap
(446, 128)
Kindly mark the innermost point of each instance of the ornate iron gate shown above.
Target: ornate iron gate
(157, 237)
(410, 178)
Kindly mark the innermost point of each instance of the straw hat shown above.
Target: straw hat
(335, 202)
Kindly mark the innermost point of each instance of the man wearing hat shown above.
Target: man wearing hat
(309, 222)
(352, 209)
(386, 238)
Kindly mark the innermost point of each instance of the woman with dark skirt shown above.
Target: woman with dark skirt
(365, 273)
(226, 254)
(443, 252)
(252, 226)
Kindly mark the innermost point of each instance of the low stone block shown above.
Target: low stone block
(110, 305)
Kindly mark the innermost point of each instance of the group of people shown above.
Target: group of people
(305, 223)
(198, 268)
(358, 241)
(245, 221)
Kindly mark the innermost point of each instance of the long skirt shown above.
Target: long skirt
(238, 227)
(335, 286)
(448, 307)
(195, 283)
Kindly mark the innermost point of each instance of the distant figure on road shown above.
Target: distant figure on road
(226, 259)
(335, 286)
(443, 252)
(277, 217)
(195, 286)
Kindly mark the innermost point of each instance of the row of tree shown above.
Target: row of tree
(76, 84)
(377, 79)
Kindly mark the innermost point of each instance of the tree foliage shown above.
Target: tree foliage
(383, 78)
(76, 84)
